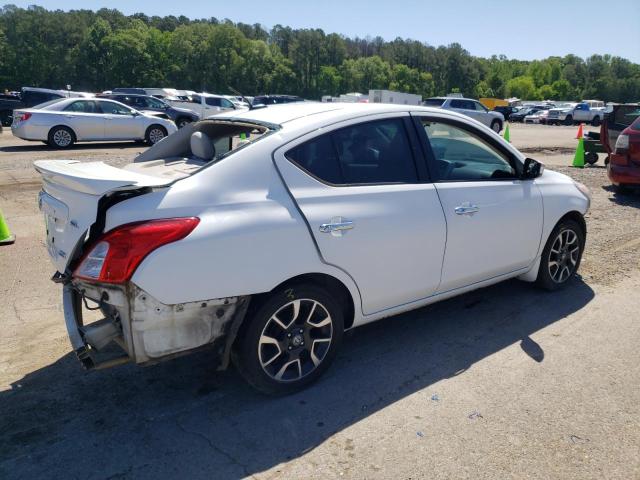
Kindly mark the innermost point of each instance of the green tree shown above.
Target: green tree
(522, 87)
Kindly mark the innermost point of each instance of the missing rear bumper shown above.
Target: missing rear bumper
(146, 330)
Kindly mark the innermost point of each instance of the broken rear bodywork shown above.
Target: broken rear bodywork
(144, 329)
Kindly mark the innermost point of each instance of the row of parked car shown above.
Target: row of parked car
(588, 111)
(61, 118)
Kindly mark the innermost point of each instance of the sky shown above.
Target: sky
(522, 29)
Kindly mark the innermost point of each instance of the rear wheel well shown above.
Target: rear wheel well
(66, 127)
(329, 283)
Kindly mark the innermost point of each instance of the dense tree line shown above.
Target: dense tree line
(100, 50)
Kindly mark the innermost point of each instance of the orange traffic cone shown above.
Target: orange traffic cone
(579, 135)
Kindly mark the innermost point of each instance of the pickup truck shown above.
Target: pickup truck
(206, 104)
(576, 113)
(470, 107)
(7, 104)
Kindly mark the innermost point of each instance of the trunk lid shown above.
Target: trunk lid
(70, 197)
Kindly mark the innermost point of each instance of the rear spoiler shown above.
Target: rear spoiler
(93, 178)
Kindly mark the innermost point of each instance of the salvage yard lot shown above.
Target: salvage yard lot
(503, 382)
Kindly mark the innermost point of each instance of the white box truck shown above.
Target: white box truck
(389, 96)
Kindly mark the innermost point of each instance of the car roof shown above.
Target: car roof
(296, 113)
(66, 101)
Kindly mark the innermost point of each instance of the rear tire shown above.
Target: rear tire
(289, 339)
(561, 256)
(154, 134)
(596, 121)
(496, 126)
(61, 137)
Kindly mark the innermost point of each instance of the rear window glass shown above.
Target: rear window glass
(434, 102)
(366, 153)
(626, 114)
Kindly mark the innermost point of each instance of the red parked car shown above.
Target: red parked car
(624, 155)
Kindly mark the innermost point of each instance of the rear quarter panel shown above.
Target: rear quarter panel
(250, 237)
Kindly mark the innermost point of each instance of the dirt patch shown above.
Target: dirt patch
(613, 224)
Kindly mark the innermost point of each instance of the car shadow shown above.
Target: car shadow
(41, 147)
(182, 417)
(627, 198)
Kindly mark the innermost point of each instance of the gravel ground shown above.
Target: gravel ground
(504, 382)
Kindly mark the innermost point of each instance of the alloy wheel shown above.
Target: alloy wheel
(295, 340)
(62, 138)
(155, 135)
(564, 256)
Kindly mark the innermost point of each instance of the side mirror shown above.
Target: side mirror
(532, 169)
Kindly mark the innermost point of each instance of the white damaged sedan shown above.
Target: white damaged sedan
(264, 234)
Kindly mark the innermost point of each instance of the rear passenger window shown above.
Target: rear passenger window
(318, 157)
(367, 153)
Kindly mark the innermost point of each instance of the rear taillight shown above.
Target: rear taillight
(117, 254)
(23, 116)
(622, 144)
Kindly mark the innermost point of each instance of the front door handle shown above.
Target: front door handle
(337, 226)
(466, 209)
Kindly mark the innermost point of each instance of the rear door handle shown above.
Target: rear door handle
(466, 209)
(337, 226)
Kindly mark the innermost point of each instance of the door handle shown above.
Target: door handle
(466, 209)
(336, 227)
(70, 116)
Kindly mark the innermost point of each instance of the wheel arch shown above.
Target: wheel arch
(574, 215)
(155, 125)
(59, 125)
(332, 284)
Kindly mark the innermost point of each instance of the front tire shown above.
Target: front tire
(561, 255)
(183, 122)
(496, 126)
(154, 134)
(568, 120)
(61, 137)
(290, 339)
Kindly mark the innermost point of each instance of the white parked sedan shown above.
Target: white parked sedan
(61, 123)
(266, 233)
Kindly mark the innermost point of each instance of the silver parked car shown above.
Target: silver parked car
(470, 108)
(61, 123)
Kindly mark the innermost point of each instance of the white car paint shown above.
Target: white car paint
(471, 108)
(261, 215)
(128, 124)
(207, 104)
